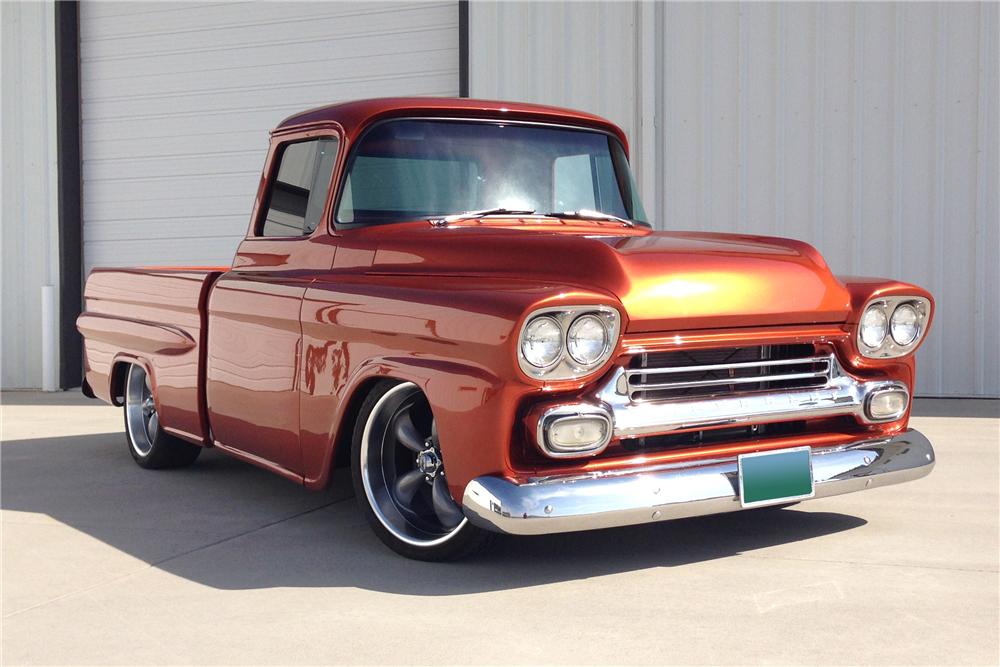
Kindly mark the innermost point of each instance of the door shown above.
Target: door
(254, 331)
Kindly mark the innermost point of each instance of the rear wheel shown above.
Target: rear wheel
(399, 478)
(150, 445)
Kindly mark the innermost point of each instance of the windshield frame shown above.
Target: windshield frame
(335, 225)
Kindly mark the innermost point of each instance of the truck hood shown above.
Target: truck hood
(665, 281)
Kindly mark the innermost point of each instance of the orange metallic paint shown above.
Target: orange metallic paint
(154, 317)
(713, 280)
(299, 327)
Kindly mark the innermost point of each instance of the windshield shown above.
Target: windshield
(411, 169)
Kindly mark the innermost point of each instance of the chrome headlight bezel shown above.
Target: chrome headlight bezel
(567, 368)
(889, 347)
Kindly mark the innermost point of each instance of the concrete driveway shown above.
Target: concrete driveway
(222, 563)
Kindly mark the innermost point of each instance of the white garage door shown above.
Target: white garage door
(177, 100)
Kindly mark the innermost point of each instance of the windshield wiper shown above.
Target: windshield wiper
(469, 215)
(587, 214)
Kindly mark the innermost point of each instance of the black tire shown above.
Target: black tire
(151, 446)
(414, 527)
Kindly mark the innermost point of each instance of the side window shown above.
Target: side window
(298, 192)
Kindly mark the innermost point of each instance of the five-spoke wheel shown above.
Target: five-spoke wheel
(400, 477)
(150, 445)
(141, 419)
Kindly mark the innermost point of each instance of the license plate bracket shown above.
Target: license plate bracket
(775, 477)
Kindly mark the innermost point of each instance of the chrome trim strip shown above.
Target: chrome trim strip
(719, 367)
(727, 381)
(841, 395)
(767, 367)
(644, 495)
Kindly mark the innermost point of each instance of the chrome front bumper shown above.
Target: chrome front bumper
(643, 495)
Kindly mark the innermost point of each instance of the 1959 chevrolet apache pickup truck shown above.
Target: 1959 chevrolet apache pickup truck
(463, 301)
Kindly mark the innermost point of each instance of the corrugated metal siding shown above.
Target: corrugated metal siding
(29, 207)
(556, 52)
(868, 129)
(178, 99)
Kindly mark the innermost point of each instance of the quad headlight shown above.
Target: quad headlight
(874, 326)
(542, 342)
(892, 326)
(905, 324)
(587, 339)
(567, 342)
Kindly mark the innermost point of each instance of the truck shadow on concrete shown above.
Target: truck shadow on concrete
(229, 525)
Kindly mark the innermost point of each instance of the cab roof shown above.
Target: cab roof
(354, 116)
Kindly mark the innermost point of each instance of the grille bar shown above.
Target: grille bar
(727, 381)
(726, 367)
(722, 372)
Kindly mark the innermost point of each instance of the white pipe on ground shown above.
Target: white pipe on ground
(50, 351)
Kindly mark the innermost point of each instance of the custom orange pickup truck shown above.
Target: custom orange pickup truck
(463, 301)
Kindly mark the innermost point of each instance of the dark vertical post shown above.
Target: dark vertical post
(463, 48)
(67, 18)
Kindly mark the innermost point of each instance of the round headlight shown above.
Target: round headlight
(541, 344)
(905, 324)
(587, 340)
(874, 326)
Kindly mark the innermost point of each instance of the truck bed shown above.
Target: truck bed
(157, 314)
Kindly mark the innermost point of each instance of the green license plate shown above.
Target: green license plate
(772, 478)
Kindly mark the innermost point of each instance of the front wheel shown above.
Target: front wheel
(150, 445)
(399, 478)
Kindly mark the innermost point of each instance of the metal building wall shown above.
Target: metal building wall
(30, 241)
(868, 129)
(178, 99)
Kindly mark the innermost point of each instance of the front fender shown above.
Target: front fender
(463, 397)
(452, 337)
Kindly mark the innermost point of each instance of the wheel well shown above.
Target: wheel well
(345, 434)
(118, 375)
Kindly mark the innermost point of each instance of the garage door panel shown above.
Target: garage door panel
(155, 19)
(177, 102)
(118, 11)
(182, 165)
(106, 194)
(242, 37)
(178, 205)
(232, 100)
(164, 123)
(244, 61)
(213, 81)
(169, 227)
(210, 142)
(177, 127)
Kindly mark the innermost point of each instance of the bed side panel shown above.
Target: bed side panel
(155, 317)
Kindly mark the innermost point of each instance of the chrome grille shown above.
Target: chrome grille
(680, 374)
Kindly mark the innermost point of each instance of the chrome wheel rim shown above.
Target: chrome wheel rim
(403, 472)
(140, 411)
